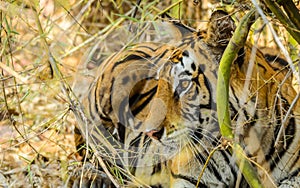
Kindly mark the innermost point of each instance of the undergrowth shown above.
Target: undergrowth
(42, 44)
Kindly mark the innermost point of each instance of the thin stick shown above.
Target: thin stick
(13, 73)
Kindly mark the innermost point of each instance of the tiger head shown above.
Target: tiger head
(175, 110)
(183, 109)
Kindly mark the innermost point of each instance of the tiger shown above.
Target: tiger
(150, 116)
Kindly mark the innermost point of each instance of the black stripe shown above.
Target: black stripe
(184, 30)
(296, 160)
(102, 117)
(234, 95)
(156, 169)
(271, 151)
(122, 114)
(271, 58)
(226, 154)
(188, 116)
(197, 134)
(147, 142)
(240, 60)
(208, 86)
(127, 58)
(262, 67)
(133, 99)
(196, 93)
(144, 54)
(202, 52)
(211, 106)
(233, 111)
(96, 101)
(192, 44)
(293, 174)
(90, 105)
(121, 132)
(147, 47)
(290, 132)
(110, 91)
(189, 179)
(133, 153)
(136, 141)
(210, 165)
(159, 58)
(186, 40)
(156, 186)
(185, 73)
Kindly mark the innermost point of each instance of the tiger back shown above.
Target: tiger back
(151, 112)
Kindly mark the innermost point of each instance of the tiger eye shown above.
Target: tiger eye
(185, 84)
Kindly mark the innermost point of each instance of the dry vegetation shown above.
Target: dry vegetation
(40, 38)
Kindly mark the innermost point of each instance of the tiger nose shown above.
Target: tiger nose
(157, 114)
(151, 133)
(155, 134)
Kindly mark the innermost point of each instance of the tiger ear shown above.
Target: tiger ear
(220, 29)
(176, 28)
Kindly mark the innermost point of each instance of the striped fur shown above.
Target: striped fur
(152, 113)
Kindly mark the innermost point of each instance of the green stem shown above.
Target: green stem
(236, 43)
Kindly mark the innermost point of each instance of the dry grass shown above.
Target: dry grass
(36, 125)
